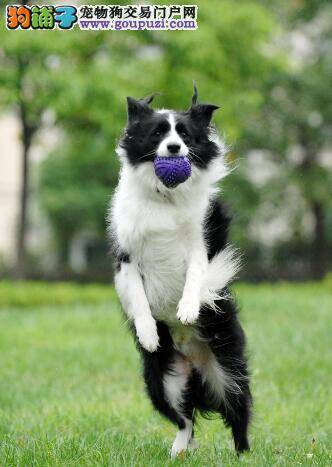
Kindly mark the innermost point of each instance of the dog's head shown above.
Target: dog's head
(152, 134)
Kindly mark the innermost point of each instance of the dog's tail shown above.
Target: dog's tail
(221, 271)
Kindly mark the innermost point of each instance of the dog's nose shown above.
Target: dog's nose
(173, 148)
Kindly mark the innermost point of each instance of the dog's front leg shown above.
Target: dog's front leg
(189, 305)
(129, 286)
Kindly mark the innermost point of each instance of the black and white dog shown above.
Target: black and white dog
(173, 266)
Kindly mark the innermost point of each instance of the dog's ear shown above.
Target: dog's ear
(149, 99)
(138, 109)
(202, 113)
(195, 95)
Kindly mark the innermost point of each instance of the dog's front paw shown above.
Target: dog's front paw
(188, 310)
(147, 333)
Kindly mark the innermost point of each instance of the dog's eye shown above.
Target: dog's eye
(183, 133)
(157, 133)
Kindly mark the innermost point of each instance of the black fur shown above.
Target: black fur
(155, 365)
(226, 339)
(220, 330)
(216, 228)
(223, 333)
(146, 129)
(119, 255)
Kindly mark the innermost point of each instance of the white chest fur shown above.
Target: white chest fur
(155, 229)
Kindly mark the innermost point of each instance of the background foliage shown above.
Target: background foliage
(276, 118)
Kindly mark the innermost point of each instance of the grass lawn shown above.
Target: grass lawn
(71, 394)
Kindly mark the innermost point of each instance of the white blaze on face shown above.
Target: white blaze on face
(172, 138)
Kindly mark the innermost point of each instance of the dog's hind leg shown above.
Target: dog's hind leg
(229, 394)
(236, 406)
(238, 419)
(176, 382)
(227, 373)
(182, 440)
(166, 374)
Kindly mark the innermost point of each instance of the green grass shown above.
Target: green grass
(31, 294)
(71, 394)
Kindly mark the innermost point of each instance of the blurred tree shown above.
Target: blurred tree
(91, 107)
(84, 77)
(267, 102)
(297, 119)
(58, 74)
(27, 87)
(76, 183)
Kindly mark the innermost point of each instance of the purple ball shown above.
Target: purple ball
(172, 170)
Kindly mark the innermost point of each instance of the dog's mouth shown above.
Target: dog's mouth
(172, 170)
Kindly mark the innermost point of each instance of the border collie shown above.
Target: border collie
(173, 266)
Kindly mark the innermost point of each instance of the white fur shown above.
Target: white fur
(190, 344)
(169, 276)
(183, 440)
(172, 138)
(131, 292)
(162, 231)
(218, 380)
(222, 269)
(175, 382)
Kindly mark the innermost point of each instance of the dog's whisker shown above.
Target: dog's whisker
(152, 153)
(193, 154)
